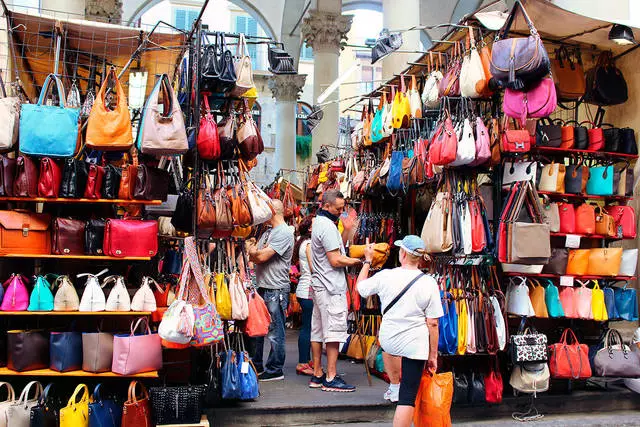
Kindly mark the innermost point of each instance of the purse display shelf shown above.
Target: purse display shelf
(594, 153)
(557, 276)
(88, 257)
(583, 196)
(75, 313)
(204, 422)
(591, 236)
(79, 373)
(88, 201)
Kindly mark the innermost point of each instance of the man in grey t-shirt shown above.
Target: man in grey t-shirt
(329, 292)
(272, 257)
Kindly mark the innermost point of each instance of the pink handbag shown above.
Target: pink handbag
(568, 302)
(16, 297)
(134, 354)
(483, 145)
(540, 101)
(583, 300)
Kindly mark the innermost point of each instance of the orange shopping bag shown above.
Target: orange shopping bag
(433, 403)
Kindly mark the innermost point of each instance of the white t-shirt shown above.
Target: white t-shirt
(404, 329)
(302, 290)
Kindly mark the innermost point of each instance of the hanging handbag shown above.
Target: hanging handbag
(66, 297)
(94, 236)
(557, 262)
(548, 134)
(518, 300)
(605, 224)
(27, 350)
(118, 242)
(537, 102)
(476, 389)
(227, 137)
(628, 143)
(528, 347)
(109, 129)
(97, 351)
(568, 75)
(628, 263)
(223, 298)
(65, 351)
(239, 303)
(400, 109)
(93, 298)
(137, 409)
(483, 144)
(583, 297)
(46, 413)
(68, 236)
(162, 132)
(625, 219)
(10, 110)
(615, 359)
(472, 74)
(19, 413)
(49, 130)
(74, 178)
(585, 219)
(41, 298)
(208, 139)
(243, 69)
(259, 202)
(448, 326)
(16, 296)
(240, 209)
(605, 83)
(127, 361)
(151, 184)
(119, 299)
(7, 176)
(626, 303)
(49, 179)
(437, 228)
(538, 302)
(250, 142)
(604, 261)
(25, 183)
(230, 375)
(103, 412)
(552, 178)
(182, 218)
(443, 146)
(518, 171)
(450, 83)
(460, 389)
(569, 361)
(414, 99)
(143, 299)
(600, 181)
(552, 300)
(466, 150)
(177, 405)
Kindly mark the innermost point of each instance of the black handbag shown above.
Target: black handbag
(476, 389)
(385, 44)
(612, 138)
(111, 182)
(210, 66)
(573, 179)
(74, 178)
(548, 134)
(280, 62)
(557, 262)
(93, 236)
(580, 137)
(605, 83)
(460, 388)
(27, 350)
(151, 184)
(227, 77)
(177, 405)
(46, 413)
(628, 141)
(65, 349)
(212, 395)
(182, 219)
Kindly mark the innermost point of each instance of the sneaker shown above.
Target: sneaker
(387, 394)
(316, 382)
(394, 397)
(337, 384)
(270, 376)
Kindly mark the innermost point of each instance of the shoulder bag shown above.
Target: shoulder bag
(583, 296)
(143, 299)
(65, 351)
(41, 298)
(598, 306)
(472, 74)
(257, 324)
(126, 182)
(629, 262)
(7, 175)
(49, 179)
(118, 242)
(119, 299)
(626, 303)
(137, 408)
(104, 412)
(16, 296)
(569, 361)
(243, 69)
(250, 142)
(605, 224)
(615, 359)
(600, 181)
(450, 83)
(259, 202)
(437, 229)
(400, 109)
(605, 83)
(604, 261)
(538, 300)
(208, 142)
(93, 298)
(443, 146)
(10, 111)
(68, 236)
(25, 183)
(535, 103)
(66, 297)
(112, 180)
(568, 75)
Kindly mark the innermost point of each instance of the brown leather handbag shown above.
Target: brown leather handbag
(128, 177)
(25, 183)
(206, 210)
(568, 75)
(605, 224)
(27, 350)
(7, 175)
(224, 215)
(23, 232)
(50, 178)
(240, 206)
(250, 142)
(137, 410)
(93, 189)
(151, 184)
(68, 236)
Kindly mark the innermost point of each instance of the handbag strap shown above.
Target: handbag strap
(24, 396)
(45, 394)
(133, 397)
(11, 394)
(143, 321)
(73, 400)
(52, 78)
(92, 275)
(502, 34)
(404, 291)
(96, 393)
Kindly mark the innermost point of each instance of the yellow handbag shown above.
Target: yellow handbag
(463, 322)
(324, 171)
(604, 261)
(598, 307)
(223, 297)
(537, 295)
(401, 108)
(76, 413)
(380, 254)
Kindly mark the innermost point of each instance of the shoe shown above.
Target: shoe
(387, 395)
(270, 376)
(304, 369)
(316, 382)
(394, 397)
(338, 385)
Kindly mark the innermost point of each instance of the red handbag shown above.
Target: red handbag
(514, 140)
(625, 219)
(585, 219)
(567, 218)
(93, 189)
(595, 136)
(49, 179)
(444, 143)
(118, 241)
(208, 139)
(478, 235)
(25, 183)
(493, 385)
(257, 324)
(68, 236)
(137, 409)
(569, 361)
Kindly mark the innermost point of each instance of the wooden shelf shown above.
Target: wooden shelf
(557, 276)
(75, 313)
(593, 153)
(89, 201)
(52, 373)
(583, 196)
(88, 257)
(204, 422)
(592, 236)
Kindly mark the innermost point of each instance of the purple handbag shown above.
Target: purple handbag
(16, 296)
(134, 354)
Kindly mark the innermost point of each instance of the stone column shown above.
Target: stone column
(286, 88)
(397, 15)
(325, 30)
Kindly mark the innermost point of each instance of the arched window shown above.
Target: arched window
(303, 133)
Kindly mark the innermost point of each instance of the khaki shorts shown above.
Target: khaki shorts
(329, 319)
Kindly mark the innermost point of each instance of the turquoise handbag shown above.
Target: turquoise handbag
(600, 181)
(41, 298)
(552, 300)
(49, 130)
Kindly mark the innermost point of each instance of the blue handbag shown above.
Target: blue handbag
(65, 351)
(249, 389)
(104, 413)
(394, 181)
(41, 298)
(229, 376)
(172, 262)
(600, 181)
(552, 300)
(448, 326)
(626, 303)
(610, 303)
(49, 130)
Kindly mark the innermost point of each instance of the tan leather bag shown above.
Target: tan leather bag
(206, 211)
(66, 298)
(97, 351)
(436, 231)
(604, 261)
(380, 255)
(552, 178)
(128, 178)
(605, 224)
(244, 72)
(24, 232)
(537, 295)
(578, 262)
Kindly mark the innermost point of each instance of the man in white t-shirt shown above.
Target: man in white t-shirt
(411, 307)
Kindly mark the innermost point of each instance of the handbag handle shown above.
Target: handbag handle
(96, 393)
(73, 400)
(11, 394)
(45, 90)
(24, 396)
(45, 394)
(143, 321)
(92, 275)
(502, 34)
(120, 105)
(133, 397)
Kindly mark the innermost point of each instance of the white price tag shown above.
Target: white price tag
(244, 369)
(572, 241)
(566, 281)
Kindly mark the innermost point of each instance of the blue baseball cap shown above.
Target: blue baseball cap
(412, 244)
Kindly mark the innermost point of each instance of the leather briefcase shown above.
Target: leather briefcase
(94, 237)
(24, 232)
(27, 350)
(25, 183)
(68, 236)
(151, 184)
(7, 175)
(118, 241)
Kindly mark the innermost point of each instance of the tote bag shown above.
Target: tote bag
(583, 297)
(518, 301)
(127, 357)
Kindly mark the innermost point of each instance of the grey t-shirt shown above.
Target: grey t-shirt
(325, 237)
(274, 274)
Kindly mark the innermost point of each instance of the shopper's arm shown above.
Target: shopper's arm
(337, 260)
(366, 266)
(308, 251)
(259, 256)
(432, 363)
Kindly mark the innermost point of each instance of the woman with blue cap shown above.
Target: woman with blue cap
(411, 306)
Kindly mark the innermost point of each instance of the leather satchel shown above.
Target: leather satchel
(111, 182)
(605, 224)
(50, 178)
(151, 184)
(118, 241)
(68, 236)
(615, 359)
(94, 236)
(27, 350)
(548, 134)
(95, 178)
(65, 351)
(137, 408)
(74, 178)
(97, 351)
(569, 361)
(7, 175)
(24, 233)
(25, 183)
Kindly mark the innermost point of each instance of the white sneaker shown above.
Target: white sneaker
(387, 394)
(394, 397)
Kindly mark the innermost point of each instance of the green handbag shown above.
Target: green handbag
(41, 298)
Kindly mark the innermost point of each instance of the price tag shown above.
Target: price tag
(572, 241)
(566, 281)
(244, 369)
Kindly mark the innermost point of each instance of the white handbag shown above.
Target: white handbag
(519, 171)
(119, 299)
(471, 71)
(518, 301)
(177, 323)
(436, 231)
(430, 95)
(550, 179)
(629, 262)
(259, 202)
(19, 413)
(501, 327)
(466, 146)
(93, 298)
(10, 111)
(66, 298)
(387, 120)
(244, 72)
(522, 268)
(165, 228)
(4, 406)
(530, 378)
(414, 99)
(239, 300)
(143, 299)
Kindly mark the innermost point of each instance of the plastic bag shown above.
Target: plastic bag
(433, 403)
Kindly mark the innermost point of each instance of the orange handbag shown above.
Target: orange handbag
(380, 254)
(567, 136)
(24, 232)
(605, 224)
(569, 361)
(240, 209)
(109, 130)
(259, 319)
(482, 86)
(578, 262)
(537, 296)
(604, 261)
(585, 219)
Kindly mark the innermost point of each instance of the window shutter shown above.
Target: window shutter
(252, 30)
(181, 16)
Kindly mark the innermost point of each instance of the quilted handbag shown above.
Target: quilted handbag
(104, 412)
(177, 405)
(118, 242)
(569, 359)
(65, 351)
(528, 347)
(128, 360)
(137, 409)
(41, 298)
